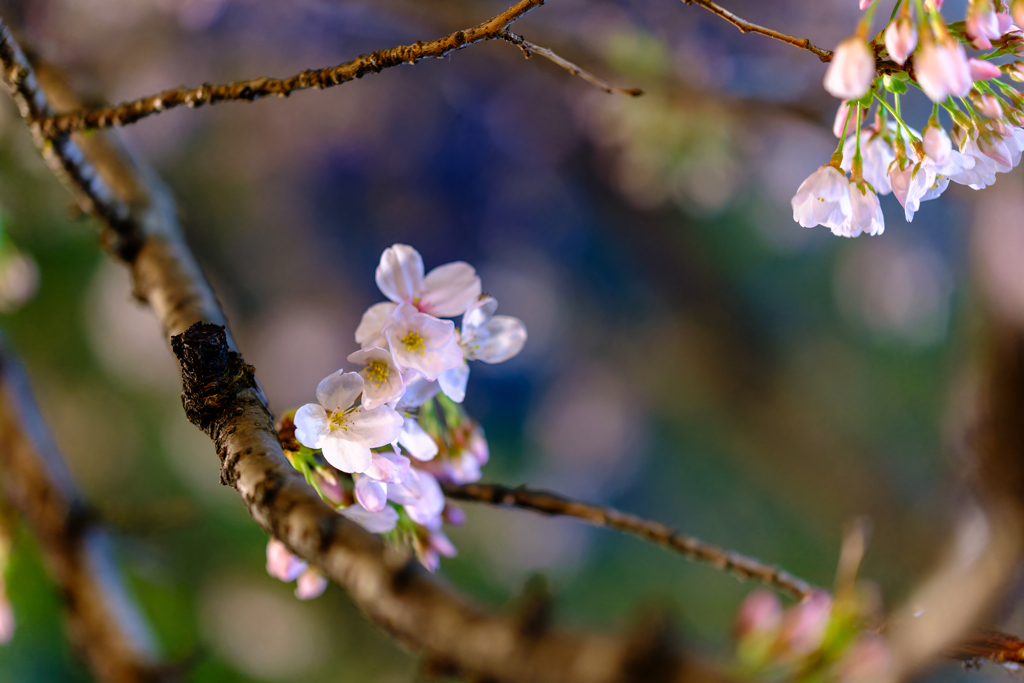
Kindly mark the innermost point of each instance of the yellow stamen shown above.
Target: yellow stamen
(377, 371)
(413, 342)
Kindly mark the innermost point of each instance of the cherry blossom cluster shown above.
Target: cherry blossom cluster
(917, 48)
(819, 639)
(381, 438)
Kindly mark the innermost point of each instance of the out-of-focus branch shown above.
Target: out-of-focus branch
(748, 27)
(103, 624)
(222, 396)
(529, 49)
(746, 568)
(256, 88)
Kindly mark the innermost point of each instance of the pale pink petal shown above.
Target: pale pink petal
(374, 522)
(373, 428)
(760, 613)
(311, 425)
(369, 333)
(346, 455)
(311, 585)
(416, 441)
(442, 544)
(502, 338)
(418, 390)
(371, 494)
(448, 290)
(453, 382)
(983, 70)
(400, 274)
(339, 390)
(422, 342)
(851, 71)
(479, 313)
(382, 379)
(420, 495)
(388, 466)
(901, 39)
(281, 563)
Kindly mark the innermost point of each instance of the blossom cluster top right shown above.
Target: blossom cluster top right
(884, 154)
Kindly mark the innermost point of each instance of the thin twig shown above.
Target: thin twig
(256, 88)
(103, 625)
(747, 27)
(746, 568)
(529, 49)
(222, 396)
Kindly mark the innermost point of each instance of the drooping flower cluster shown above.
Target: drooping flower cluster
(380, 438)
(918, 48)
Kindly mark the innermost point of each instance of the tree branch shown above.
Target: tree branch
(747, 27)
(223, 397)
(745, 568)
(256, 88)
(529, 49)
(103, 624)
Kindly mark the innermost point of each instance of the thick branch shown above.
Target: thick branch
(747, 27)
(256, 88)
(103, 625)
(547, 503)
(222, 396)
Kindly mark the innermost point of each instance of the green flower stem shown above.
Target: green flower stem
(896, 115)
(894, 10)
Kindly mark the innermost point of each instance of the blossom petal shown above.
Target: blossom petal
(503, 338)
(416, 441)
(418, 391)
(311, 425)
(347, 456)
(373, 428)
(422, 342)
(374, 522)
(479, 313)
(339, 390)
(371, 494)
(449, 290)
(312, 584)
(369, 333)
(382, 379)
(400, 273)
(420, 495)
(453, 382)
(281, 564)
(388, 466)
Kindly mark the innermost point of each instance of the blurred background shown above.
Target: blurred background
(695, 356)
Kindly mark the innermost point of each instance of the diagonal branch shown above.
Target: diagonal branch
(103, 624)
(748, 27)
(256, 88)
(746, 568)
(529, 49)
(222, 396)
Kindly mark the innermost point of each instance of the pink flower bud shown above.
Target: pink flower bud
(851, 71)
(311, 585)
(840, 123)
(760, 613)
(864, 4)
(937, 144)
(983, 70)
(901, 39)
(942, 69)
(989, 106)
(804, 625)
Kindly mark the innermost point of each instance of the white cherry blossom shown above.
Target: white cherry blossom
(822, 199)
(420, 495)
(446, 291)
(382, 379)
(865, 214)
(877, 154)
(345, 432)
(485, 337)
(371, 328)
(413, 438)
(422, 342)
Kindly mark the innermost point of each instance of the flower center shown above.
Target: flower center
(340, 420)
(377, 371)
(413, 341)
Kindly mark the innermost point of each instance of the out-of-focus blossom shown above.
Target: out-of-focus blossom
(759, 613)
(1017, 12)
(485, 337)
(937, 144)
(877, 154)
(281, 564)
(803, 627)
(982, 69)
(989, 106)
(345, 432)
(467, 453)
(851, 71)
(6, 617)
(311, 584)
(864, 4)
(942, 69)
(901, 39)
(867, 661)
(822, 199)
(382, 380)
(422, 342)
(379, 522)
(19, 278)
(437, 545)
(446, 291)
(982, 24)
